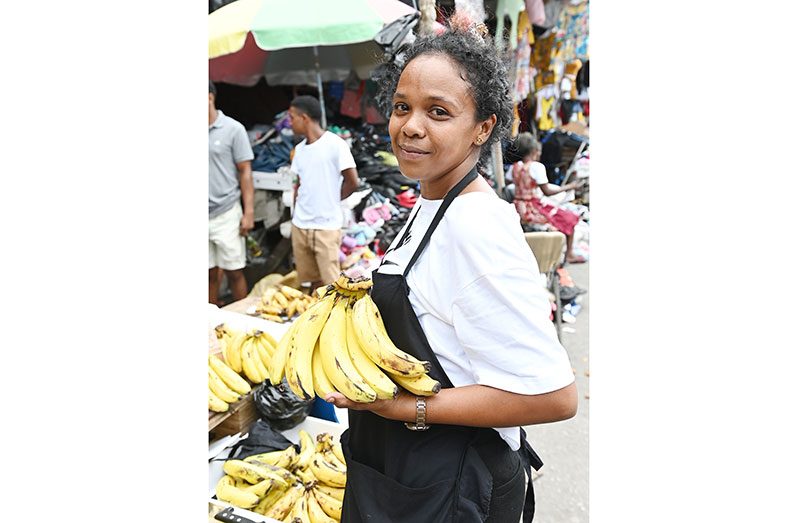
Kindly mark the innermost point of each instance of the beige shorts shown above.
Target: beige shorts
(225, 243)
(316, 254)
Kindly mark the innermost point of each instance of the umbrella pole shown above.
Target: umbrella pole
(318, 85)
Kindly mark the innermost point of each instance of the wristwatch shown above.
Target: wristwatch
(421, 415)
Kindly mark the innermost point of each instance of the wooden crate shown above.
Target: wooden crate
(237, 419)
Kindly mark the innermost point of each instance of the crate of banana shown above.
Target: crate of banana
(245, 354)
(280, 303)
(340, 344)
(286, 485)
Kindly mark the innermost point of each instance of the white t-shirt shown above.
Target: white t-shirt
(538, 173)
(319, 166)
(478, 296)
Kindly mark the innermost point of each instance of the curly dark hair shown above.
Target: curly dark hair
(484, 70)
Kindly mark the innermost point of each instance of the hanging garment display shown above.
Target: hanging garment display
(546, 98)
(541, 56)
(510, 9)
(572, 31)
(536, 11)
(523, 77)
(570, 108)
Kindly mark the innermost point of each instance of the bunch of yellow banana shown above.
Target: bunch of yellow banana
(225, 386)
(250, 352)
(340, 344)
(286, 485)
(281, 302)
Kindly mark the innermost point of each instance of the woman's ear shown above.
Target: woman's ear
(485, 128)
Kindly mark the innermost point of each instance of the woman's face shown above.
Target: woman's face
(433, 124)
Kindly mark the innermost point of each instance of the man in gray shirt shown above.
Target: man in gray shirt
(231, 194)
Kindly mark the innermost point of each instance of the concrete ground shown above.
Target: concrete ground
(561, 485)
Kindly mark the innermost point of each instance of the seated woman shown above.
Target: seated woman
(531, 185)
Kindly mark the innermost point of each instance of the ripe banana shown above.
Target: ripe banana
(280, 299)
(263, 354)
(280, 356)
(299, 514)
(307, 449)
(265, 468)
(332, 459)
(262, 488)
(338, 452)
(218, 387)
(215, 404)
(344, 282)
(316, 513)
(305, 341)
(291, 371)
(333, 492)
(270, 499)
(272, 309)
(371, 373)
(227, 491)
(336, 361)
(378, 346)
(253, 472)
(229, 376)
(269, 340)
(330, 505)
(282, 507)
(250, 361)
(232, 351)
(327, 472)
(419, 385)
(321, 383)
(306, 476)
(291, 292)
(278, 458)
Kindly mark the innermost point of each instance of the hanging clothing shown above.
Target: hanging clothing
(536, 11)
(546, 113)
(511, 9)
(573, 31)
(523, 77)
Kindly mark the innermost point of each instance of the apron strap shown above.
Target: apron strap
(530, 460)
(447, 201)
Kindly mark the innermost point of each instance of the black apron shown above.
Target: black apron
(443, 474)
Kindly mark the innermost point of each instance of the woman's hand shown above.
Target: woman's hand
(401, 408)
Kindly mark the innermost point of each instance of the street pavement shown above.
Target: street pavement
(561, 485)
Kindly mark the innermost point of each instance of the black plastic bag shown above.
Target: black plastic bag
(262, 437)
(280, 406)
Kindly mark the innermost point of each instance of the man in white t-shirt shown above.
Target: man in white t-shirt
(327, 175)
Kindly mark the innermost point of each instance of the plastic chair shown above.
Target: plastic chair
(548, 250)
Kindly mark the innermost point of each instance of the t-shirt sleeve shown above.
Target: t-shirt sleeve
(538, 172)
(502, 322)
(345, 159)
(242, 151)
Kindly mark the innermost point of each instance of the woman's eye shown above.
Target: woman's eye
(399, 106)
(437, 111)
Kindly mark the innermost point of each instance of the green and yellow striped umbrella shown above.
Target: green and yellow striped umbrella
(282, 24)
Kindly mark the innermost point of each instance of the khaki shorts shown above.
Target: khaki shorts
(225, 243)
(316, 254)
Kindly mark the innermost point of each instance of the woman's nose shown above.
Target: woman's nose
(414, 125)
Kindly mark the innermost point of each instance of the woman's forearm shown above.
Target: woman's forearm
(483, 406)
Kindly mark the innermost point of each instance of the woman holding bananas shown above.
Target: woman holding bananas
(459, 288)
